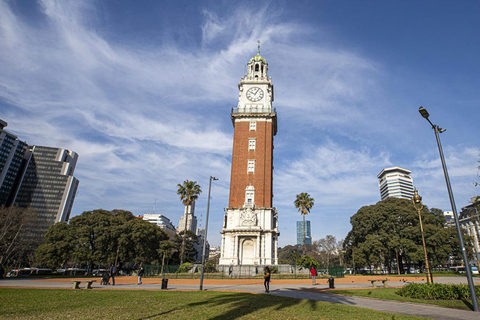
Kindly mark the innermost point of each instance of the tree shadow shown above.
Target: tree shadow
(241, 304)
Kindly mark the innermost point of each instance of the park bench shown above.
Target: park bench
(374, 282)
(88, 283)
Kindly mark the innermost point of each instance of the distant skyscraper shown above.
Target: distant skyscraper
(191, 221)
(308, 232)
(395, 182)
(48, 186)
(12, 153)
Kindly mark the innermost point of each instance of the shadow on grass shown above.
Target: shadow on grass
(241, 304)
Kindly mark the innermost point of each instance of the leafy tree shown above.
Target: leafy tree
(188, 192)
(187, 241)
(289, 254)
(102, 237)
(304, 203)
(58, 246)
(166, 250)
(308, 262)
(388, 234)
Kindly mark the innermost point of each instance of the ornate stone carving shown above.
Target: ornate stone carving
(248, 218)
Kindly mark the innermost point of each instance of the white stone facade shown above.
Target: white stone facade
(249, 236)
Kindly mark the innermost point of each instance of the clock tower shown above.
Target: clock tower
(250, 227)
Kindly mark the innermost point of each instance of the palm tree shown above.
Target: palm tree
(188, 192)
(304, 203)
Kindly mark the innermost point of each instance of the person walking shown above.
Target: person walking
(113, 272)
(313, 272)
(140, 274)
(266, 282)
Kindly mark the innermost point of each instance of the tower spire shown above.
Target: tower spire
(258, 47)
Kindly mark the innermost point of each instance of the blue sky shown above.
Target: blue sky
(142, 91)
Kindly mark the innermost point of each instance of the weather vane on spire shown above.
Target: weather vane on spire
(258, 50)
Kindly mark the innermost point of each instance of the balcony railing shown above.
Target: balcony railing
(254, 109)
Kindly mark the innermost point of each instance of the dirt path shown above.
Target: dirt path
(346, 280)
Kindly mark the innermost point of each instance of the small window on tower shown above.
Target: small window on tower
(256, 67)
(251, 144)
(251, 166)
(253, 125)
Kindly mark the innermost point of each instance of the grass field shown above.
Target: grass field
(106, 304)
(389, 294)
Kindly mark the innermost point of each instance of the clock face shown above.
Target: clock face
(254, 94)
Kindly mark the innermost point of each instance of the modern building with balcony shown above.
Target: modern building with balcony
(395, 182)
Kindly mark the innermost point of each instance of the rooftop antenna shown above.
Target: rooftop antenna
(155, 206)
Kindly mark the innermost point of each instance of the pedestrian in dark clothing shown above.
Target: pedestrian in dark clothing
(140, 274)
(266, 282)
(113, 272)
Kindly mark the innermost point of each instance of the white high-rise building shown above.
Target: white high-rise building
(189, 214)
(161, 221)
(395, 182)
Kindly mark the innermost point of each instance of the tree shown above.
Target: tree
(329, 249)
(388, 234)
(15, 241)
(308, 262)
(188, 192)
(102, 237)
(58, 246)
(304, 203)
(166, 250)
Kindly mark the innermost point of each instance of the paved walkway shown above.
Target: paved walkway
(300, 289)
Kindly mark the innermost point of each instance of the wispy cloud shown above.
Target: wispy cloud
(145, 117)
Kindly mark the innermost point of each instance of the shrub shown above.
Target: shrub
(437, 291)
(185, 267)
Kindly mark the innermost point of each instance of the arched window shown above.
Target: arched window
(256, 67)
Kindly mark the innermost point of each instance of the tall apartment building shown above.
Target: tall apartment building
(308, 232)
(161, 221)
(395, 182)
(12, 163)
(48, 186)
(188, 214)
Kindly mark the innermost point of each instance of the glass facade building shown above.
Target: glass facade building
(308, 232)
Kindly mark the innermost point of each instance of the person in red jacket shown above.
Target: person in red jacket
(313, 272)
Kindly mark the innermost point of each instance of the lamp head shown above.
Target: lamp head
(213, 178)
(416, 197)
(423, 112)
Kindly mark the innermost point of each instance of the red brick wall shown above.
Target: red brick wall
(261, 179)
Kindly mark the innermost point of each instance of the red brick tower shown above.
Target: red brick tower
(250, 233)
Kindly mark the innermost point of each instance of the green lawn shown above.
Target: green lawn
(389, 294)
(110, 304)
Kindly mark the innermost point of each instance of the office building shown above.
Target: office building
(48, 187)
(308, 232)
(395, 182)
(12, 163)
(161, 221)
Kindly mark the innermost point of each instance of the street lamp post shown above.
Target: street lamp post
(206, 229)
(417, 204)
(471, 284)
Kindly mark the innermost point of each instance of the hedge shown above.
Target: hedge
(437, 291)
